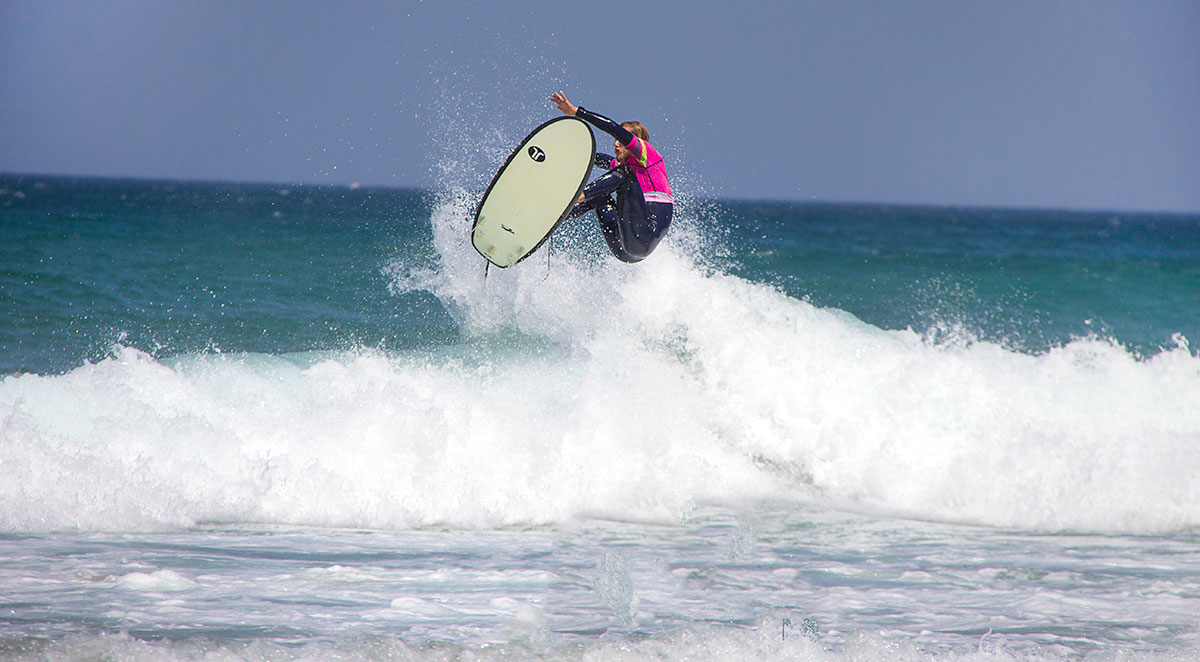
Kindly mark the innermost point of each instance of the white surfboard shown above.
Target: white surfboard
(533, 191)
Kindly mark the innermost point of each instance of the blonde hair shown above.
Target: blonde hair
(638, 129)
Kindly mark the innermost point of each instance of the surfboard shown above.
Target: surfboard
(533, 191)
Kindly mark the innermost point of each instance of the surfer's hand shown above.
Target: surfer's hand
(559, 99)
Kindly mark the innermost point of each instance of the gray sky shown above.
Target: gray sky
(1087, 104)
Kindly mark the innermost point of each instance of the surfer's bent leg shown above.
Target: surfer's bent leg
(610, 227)
(631, 227)
(632, 237)
(658, 219)
(584, 207)
(631, 231)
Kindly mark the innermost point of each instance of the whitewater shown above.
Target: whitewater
(596, 389)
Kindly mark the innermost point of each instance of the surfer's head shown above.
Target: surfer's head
(636, 128)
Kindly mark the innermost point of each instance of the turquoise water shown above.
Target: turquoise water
(175, 268)
(1031, 280)
(264, 422)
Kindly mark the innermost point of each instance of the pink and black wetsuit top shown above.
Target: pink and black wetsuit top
(647, 164)
(639, 218)
(644, 160)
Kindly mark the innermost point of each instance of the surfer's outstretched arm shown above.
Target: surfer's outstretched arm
(620, 133)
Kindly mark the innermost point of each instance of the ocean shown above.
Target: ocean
(265, 422)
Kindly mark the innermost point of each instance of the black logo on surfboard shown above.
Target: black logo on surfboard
(536, 153)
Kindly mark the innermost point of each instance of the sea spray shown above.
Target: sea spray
(889, 420)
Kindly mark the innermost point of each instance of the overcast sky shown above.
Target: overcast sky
(1084, 104)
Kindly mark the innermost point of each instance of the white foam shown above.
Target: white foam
(158, 581)
(422, 608)
(597, 388)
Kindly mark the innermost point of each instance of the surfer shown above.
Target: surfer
(641, 214)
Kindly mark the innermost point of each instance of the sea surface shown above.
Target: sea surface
(264, 422)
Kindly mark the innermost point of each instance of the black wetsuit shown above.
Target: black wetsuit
(631, 226)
